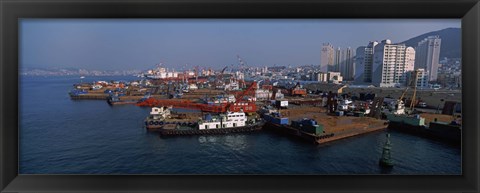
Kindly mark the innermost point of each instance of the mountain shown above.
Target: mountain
(451, 42)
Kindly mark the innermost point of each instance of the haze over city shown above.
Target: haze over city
(123, 44)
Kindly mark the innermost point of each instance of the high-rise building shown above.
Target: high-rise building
(389, 64)
(347, 67)
(359, 65)
(337, 61)
(368, 61)
(428, 55)
(326, 57)
(409, 59)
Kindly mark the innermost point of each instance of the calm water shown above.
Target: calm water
(63, 136)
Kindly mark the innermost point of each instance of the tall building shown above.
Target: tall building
(410, 59)
(428, 55)
(337, 61)
(368, 61)
(389, 64)
(347, 67)
(326, 57)
(359, 64)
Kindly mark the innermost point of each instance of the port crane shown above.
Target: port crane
(219, 77)
(241, 62)
(400, 104)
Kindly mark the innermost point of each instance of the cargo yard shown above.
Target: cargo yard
(228, 102)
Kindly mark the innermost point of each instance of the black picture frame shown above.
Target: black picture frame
(12, 10)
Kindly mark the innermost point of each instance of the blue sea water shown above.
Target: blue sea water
(63, 136)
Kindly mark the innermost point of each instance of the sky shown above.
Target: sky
(140, 44)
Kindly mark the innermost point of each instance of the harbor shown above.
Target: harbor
(119, 133)
(317, 113)
(181, 96)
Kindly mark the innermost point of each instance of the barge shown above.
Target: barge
(415, 125)
(181, 130)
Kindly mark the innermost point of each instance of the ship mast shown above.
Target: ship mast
(412, 104)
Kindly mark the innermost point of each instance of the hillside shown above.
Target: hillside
(451, 42)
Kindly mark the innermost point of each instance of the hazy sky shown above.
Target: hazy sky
(121, 44)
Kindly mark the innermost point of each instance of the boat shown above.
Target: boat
(170, 124)
(77, 92)
(409, 122)
(304, 129)
(309, 130)
(114, 99)
(225, 123)
(386, 159)
(162, 116)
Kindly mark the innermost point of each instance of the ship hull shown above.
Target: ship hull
(221, 131)
(451, 135)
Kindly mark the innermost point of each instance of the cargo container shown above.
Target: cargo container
(308, 125)
(339, 113)
(275, 118)
(317, 130)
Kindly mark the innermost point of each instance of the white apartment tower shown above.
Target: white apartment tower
(390, 63)
(326, 57)
(427, 56)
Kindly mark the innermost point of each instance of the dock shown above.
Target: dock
(335, 127)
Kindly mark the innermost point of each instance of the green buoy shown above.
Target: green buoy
(386, 160)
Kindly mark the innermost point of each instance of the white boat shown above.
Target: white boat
(229, 120)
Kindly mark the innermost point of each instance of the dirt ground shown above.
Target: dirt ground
(429, 117)
(332, 123)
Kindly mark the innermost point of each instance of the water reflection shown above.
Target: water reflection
(233, 142)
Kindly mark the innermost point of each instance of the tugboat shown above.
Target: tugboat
(386, 160)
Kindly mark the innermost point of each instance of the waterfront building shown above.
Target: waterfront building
(389, 64)
(368, 61)
(326, 57)
(428, 55)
